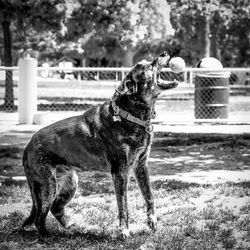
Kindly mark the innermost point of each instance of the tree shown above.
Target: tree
(124, 24)
(23, 18)
(192, 21)
(238, 32)
(212, 28)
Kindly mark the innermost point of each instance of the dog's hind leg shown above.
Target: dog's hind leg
(31, 218)
(45, 191)
(142, 176)
(29, 175)
(120, 179)
(67, 185)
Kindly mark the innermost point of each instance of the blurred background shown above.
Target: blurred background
(85, 47)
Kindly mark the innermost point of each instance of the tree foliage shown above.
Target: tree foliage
(238, 33)
(123, 24)
(227, 34)
(25, 18)
(119, 29)
(31, 21)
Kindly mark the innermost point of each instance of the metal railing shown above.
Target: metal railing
(76, 89)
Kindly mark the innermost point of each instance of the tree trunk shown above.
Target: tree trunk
(215, 50)
(9, 95)
(204, 33)
(243, 49)
(128, 57)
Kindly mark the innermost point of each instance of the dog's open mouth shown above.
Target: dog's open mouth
(167, 84)
(161, 62)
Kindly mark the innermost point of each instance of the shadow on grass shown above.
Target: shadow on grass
(230, 154)
(10, 161)
(13, 152)
(13, 182)
(13, 237)
(243, 184)
(169, 185)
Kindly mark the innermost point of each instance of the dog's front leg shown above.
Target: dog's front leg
(142, 176)
(120, 180)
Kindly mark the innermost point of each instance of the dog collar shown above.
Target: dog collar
(118, 113)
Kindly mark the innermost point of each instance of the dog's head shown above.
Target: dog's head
(143, 81)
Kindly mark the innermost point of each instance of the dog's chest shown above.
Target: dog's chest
(133, 146)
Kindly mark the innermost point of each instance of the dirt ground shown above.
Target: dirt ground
(202, 159)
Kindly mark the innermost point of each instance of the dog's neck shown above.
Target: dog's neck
(137, 107)
(134, 106)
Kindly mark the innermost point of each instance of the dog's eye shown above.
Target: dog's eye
(156, 95)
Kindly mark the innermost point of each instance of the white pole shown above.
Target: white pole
(27, 90)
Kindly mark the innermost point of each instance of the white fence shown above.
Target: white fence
(76, 89)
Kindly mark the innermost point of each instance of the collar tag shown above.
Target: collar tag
(116, 118)
(149, 128)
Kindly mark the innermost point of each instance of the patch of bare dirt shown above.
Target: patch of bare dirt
(175, 156)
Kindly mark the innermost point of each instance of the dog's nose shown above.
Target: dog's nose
(162, 60)
(164, 54)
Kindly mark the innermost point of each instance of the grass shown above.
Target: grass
(190, 216)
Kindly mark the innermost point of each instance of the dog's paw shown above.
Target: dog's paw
(152, 222)
(44, 234)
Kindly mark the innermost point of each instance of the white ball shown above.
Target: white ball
(177, 64)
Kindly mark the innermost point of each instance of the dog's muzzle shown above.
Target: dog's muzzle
(159, 63)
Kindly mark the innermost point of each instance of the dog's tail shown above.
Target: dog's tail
(31, 218)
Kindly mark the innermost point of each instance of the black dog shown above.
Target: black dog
(115, 135)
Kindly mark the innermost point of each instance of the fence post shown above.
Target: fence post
(185, 77)
(191, 78)
(98, 76)
(27, 90)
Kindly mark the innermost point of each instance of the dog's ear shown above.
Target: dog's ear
(127, 86)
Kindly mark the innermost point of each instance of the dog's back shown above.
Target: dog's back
(87, 141)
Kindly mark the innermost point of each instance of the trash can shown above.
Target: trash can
(211, 91)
